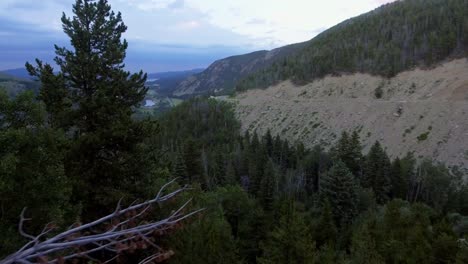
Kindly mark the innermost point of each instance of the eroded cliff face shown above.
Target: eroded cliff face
(422, 110)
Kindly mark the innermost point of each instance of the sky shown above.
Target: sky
(172, 35)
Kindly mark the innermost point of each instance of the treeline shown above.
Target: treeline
(72, 152)
(386, 41)
(272, 202)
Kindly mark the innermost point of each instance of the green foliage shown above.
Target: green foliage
(290, 241)
(31, 170)
(349, 150)
(364, 247)
(71, 153)
(93, 98)
(325, 231)
(377, 173)
(423, 136)
(339, 188)
(386, 41)
(378, 92)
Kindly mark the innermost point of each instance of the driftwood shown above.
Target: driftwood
(125, 232)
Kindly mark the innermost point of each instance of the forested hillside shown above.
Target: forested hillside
(14, 85)
(83, 181)
(386, 41)
(222, 76)
(272, 202)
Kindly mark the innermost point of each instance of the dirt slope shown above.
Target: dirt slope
(421, 110)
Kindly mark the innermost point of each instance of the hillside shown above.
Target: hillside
(14, 85)
(164, 83)
(391, 39)
(425, 111)
(221, 76)
(21, 73)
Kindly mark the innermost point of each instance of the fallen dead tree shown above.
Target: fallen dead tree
(125, 232)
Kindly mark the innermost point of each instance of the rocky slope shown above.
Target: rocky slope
(421, 110)
(221, 76)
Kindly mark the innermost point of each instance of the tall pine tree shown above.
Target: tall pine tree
(98, 97)
(339, 188)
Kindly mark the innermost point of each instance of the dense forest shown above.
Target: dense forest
(75, 151)
(386, 41)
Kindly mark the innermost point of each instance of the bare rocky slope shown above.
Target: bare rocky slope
(422, 110)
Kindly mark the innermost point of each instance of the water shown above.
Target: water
(149, 103)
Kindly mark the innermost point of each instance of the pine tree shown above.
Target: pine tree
(192, 161)
(348, 149)
(179, 169)
(268, 141)
(377, 173)
(364, 247)
(339, 188)
(325, 232)
(32, 171)
(92, 79)
(399, 181)
(291, 241)
(268, 185)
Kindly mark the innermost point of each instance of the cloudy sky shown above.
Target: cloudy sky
(167, 35)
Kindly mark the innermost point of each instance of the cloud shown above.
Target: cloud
(382, 2)
(247, 25)
(188, 25)
(178, 4)
(256, 21)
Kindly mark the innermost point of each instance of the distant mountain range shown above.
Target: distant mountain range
(14, 85)
(173, 74)
(18, 73)
(222, 76)
(165, 83)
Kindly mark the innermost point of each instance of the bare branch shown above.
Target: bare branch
(125, 231)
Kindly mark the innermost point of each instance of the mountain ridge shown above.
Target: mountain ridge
(390, 39)
(222, 75)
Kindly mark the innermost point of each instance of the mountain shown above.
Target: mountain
(386, 41)
(221, 76)
(424, 111)
(397, 75)
(18, 73)
(173, 74)
(391, 39)
(14, 85)
(165, 83)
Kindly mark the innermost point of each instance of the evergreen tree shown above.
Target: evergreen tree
(377, 173)
(291, 241)
(231, 177)
(92, 79)
(192, 161)
(32, 171)
(348, 149)
(398, 179)
(339, 188)
(268, 187)
(179, 169)
(206, 241)
(268, 141)
(53, 93)
(364, 248)
(325, 232)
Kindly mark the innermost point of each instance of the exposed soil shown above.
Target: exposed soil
(425, 111)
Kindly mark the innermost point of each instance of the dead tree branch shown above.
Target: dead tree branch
(125, 232)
